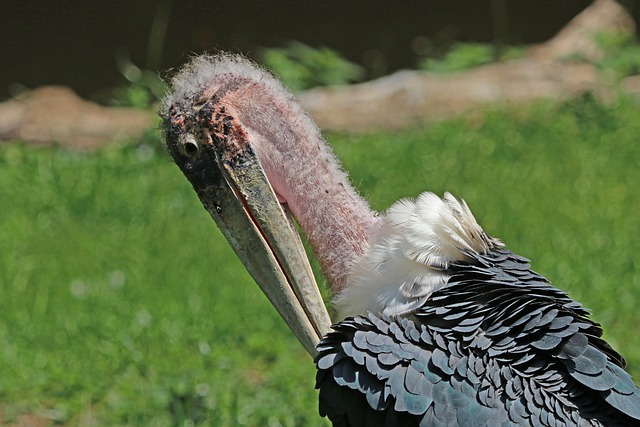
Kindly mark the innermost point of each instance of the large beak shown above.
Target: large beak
(234, 189)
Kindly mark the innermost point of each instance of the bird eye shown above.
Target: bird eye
(189, 146)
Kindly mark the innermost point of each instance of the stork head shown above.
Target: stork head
(228, 133)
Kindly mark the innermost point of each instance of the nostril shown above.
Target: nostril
(188, 145)
(190, 148)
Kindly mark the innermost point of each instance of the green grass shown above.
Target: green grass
(121, 303)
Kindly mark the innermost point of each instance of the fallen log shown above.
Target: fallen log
(409, 98)
(55, 114)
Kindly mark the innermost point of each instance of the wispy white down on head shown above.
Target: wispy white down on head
(200, 75)
(407, 258)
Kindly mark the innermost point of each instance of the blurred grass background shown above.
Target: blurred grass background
(123, 305)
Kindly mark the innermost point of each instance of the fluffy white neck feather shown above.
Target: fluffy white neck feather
(407, 257)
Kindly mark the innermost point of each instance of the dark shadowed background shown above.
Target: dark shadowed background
(79, 43)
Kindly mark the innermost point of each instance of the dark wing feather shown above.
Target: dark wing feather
(497, 346)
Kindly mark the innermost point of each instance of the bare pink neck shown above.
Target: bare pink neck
(335, 219)
(303, 170)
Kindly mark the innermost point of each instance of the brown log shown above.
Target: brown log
(409, 98)
(55, 114)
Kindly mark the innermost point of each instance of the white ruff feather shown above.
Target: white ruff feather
(407, 257)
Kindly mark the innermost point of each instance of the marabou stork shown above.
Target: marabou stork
(440, 324)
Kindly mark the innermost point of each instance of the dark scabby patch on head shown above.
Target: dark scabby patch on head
(226, 133)
(174, 124)
(219, 136)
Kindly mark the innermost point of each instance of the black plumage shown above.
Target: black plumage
(498, 345)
